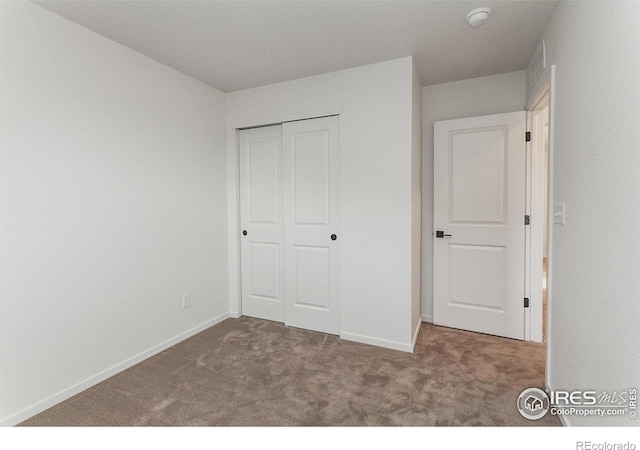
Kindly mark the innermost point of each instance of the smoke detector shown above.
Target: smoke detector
(478, 16)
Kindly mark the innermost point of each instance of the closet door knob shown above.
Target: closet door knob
(244, 232)
(334, 237)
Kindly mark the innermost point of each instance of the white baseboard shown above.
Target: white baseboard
(428, 319)
(69, 392)
(234, 314)
(376, 341)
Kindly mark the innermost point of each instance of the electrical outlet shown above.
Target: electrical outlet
(186, 301)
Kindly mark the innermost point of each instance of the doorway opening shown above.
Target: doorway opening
(538, 198)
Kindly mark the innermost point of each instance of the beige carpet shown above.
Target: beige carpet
(251, 372)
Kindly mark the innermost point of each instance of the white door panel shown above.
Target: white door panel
(484, 289)
(477, 169)
(263, 181)
(311, 207)
(311, 177)
(264, 260)
(261, 219)
(312, 276)
(479, 200)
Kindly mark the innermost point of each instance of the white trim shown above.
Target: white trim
(69, 392)
(528, 313)
(393, 345)
(426, 318)
(563, 420)
(233, 220)
(234, 314)
(535, 208)
(415, 334)
(552, 115)
(538, 213)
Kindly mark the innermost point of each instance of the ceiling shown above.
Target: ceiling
(233, 45)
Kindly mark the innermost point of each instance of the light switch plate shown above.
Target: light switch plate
(558, 213)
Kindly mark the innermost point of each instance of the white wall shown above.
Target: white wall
(594, 328)
(113, 204)
(476, 97)
(375, 106)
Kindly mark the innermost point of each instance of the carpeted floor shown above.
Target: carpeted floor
(250, 372)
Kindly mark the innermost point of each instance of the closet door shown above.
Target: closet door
(311, 236)
(261, 221)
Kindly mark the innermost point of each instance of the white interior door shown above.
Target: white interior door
(479, 234)
(261, 220)
(311, 208)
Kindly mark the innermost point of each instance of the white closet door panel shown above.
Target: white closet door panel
(311, 178)
(263, 165)
(311, 209)
(312, 266)
(261, 222)
(264, 259)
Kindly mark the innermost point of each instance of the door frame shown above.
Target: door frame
(535, 204)
(233, 194)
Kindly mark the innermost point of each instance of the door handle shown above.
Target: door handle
(334, 237)
(244, 232)
(440, 234)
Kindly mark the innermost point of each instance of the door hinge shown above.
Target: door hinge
(527, 219)
(527, 136)
(526, 302)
